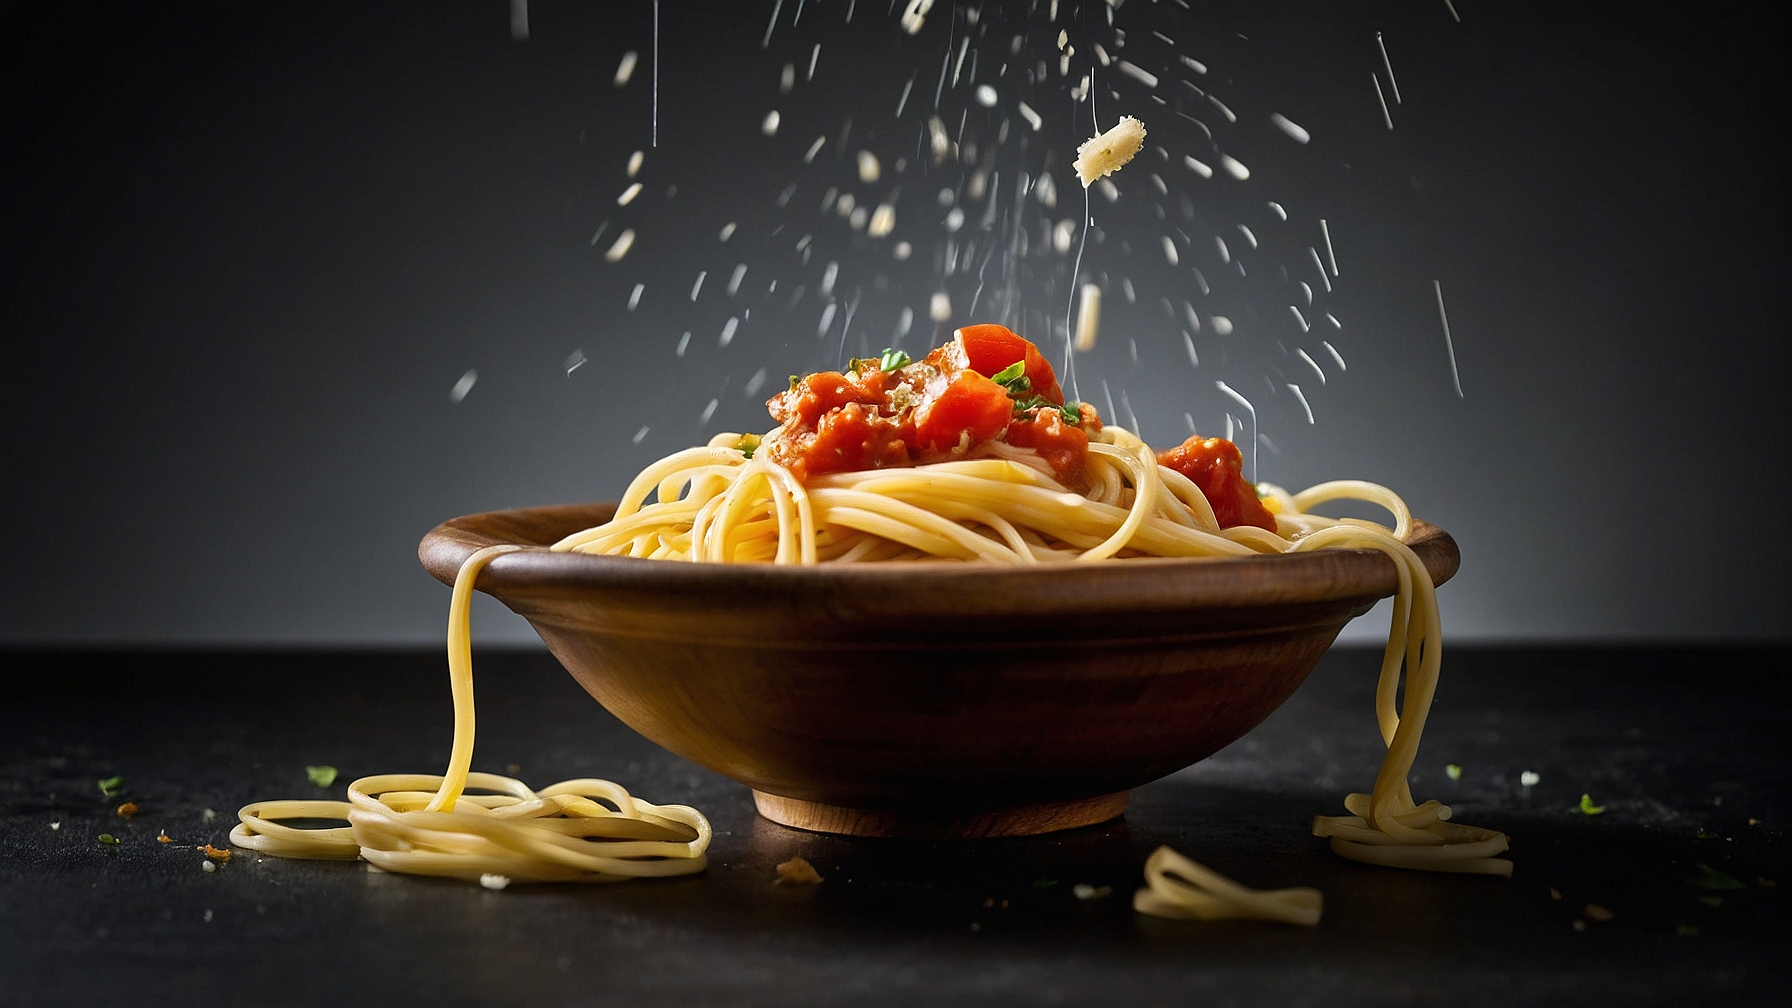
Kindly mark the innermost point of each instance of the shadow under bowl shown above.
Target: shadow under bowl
(934, 699)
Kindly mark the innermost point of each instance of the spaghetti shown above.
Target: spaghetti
(970, 454)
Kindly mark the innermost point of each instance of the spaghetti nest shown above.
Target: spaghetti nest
(1002, 504)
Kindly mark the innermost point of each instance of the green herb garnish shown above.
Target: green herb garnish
(893, 359)
(1452, 771)
(1710, 878)
(112, 787)
(1073, 412)
(1044, 883)
(1007, 375)
(1687, 931)
(1712, 901)
(795, 380)
(748, 445)
(322, 776)
(1588, 808)
(108, 839)
(1703, 835)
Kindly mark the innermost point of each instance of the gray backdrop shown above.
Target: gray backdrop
(251, 253)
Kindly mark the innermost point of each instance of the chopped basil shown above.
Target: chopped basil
(795, 380)
(322, 776)
(1044, 883)
(112, 787)
(1687, 931)
(1588, 808)
(1703, 835)
(1073, 412)
(1452, 771)
(1712, 901)
(1018, 369)
(893, 359)
(1710, 878)
(108, 839)
(748, 445)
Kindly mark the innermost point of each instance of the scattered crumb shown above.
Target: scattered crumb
(1554, 893)
(494, 882)
(797, 871)
(1752, 821)
(987, 903)
(1596, 913)
(1687, 931)
(1085, 891)
(55, 826)
(1712, 901)
(1452, 771)
(1529, 778)
(513, 768)
(207, 866)
(976, 926)
(163, 837)
(1765, 882)
(128, 809)
(221, 856)
(1579, 925)
(209, 815)
(208, 916)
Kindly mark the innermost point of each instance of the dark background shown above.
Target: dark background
(249, 250)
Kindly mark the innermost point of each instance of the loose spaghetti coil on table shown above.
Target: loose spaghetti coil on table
(423, 824)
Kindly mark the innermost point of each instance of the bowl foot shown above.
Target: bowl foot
(1017, 820)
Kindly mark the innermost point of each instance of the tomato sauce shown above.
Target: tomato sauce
(987, 384)
(1215, 465)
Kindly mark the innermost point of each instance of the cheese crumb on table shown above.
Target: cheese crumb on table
(797, 871)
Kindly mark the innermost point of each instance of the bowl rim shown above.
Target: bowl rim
(921, 587)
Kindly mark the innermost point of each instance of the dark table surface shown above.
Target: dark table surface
(1684, 749)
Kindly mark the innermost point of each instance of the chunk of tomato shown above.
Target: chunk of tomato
(1216, 466)
(988, 348)
(968, 403)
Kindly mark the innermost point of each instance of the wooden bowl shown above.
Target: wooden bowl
(939, 699)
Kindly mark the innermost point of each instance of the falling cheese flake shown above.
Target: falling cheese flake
(1032, 117)
(1234, 167)
(1294, 130)
(635, 161)
(494, 881)
(1088, 318)
(462, 387)
(870, 170)
(628, 195)
(1138, 73)
(940, 307)
(883, 221)
(1199, 168)
(770, 126)
(1169, 250)
(624, 242)
(986, 96)
(1104, 154)
(626, 68)
(914, 16)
